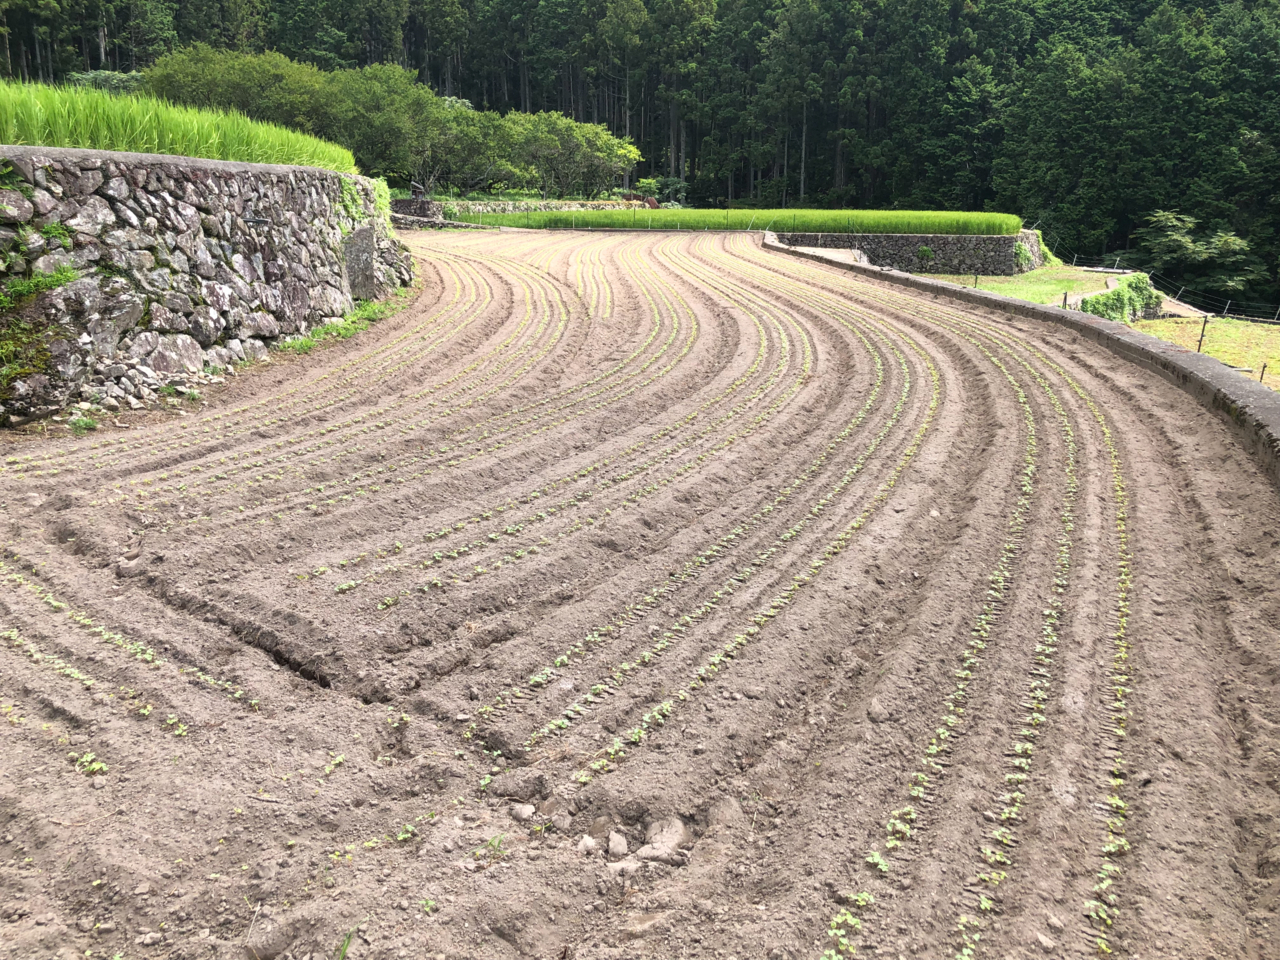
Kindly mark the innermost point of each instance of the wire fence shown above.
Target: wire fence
(1210, 303)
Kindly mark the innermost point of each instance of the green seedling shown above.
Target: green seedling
(491, 850)
(88, 764)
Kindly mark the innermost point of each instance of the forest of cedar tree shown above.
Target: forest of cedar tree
(1086, 117)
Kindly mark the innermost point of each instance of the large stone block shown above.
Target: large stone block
(177, 353)
(14, 207)
(95, 215)
(360, 257)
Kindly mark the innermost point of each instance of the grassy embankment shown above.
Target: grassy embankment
(1046, 285)
(782, 221)
(1236, 343)
(39, 115)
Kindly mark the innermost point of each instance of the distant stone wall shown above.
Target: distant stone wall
(422, 209)
(984, 255)
(182, 264)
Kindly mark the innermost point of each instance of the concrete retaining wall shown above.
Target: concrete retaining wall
(1252, 410)
(985, 255)
(182, 264)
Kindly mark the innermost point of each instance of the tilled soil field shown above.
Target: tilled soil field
(647, 596)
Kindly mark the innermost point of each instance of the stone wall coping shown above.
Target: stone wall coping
(1252, 410)
(152, 159)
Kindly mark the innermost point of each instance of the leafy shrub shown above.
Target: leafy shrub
(1133, 297)
(20, 288)
(925, 254)
(38, 115)
(1022, 257)
(397, 127)
(58, 233)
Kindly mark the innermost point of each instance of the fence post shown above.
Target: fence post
(1226, 308)
(1263, 373)
(1204, 326)
(1064, 299)
(1276, 319)
(1074, 258)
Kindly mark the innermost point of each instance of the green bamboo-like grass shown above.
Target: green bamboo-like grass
(780, 221)
(43, 116)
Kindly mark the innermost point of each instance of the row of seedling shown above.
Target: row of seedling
(493, 539)
(681, 624)
(1101, 908)
(901, 824)
(722, 659)
(134, 648)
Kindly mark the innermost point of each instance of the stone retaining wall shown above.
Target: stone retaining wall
(985, 255)
(1252, 410)
(182, 264)
(421, 209)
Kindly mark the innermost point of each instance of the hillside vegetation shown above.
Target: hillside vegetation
(39, 115)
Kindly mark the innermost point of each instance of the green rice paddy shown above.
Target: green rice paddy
(44, 116)
(780, 221)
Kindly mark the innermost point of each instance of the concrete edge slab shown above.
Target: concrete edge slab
(1252, 410)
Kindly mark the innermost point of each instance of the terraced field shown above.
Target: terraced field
(647, 596)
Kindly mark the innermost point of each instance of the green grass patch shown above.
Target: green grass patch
(1237, 343)
(359, 318)
(780, 221)
(1046, 285)
(39, 115)
(21, 288)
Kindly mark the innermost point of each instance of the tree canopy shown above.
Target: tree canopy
(398, 127)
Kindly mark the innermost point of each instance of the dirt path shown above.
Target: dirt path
(637, 596)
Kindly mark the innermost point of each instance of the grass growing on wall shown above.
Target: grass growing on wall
(780, 221)
(39, 115)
